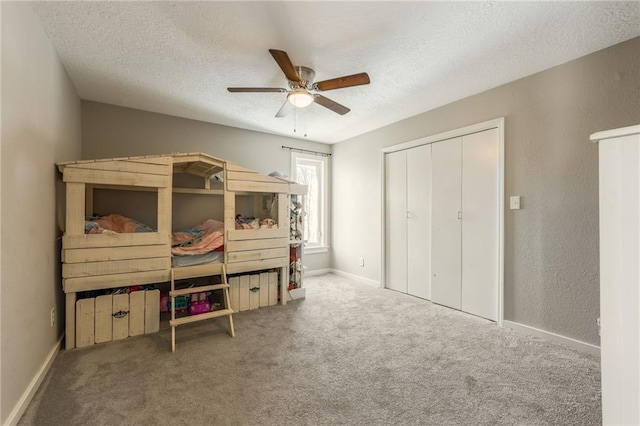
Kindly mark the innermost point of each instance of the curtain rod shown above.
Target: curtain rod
(325, 154)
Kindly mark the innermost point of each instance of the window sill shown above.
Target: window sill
(316, 250)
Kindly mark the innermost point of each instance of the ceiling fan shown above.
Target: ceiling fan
(301, 86)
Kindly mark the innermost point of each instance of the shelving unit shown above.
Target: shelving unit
(297, 194)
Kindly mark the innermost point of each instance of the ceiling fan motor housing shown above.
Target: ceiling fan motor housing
(306, 78)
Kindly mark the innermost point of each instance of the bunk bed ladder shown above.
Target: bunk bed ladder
(226, 311)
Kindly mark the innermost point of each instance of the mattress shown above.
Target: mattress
(197, 259)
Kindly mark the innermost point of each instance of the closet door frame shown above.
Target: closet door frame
(396, 265)
(498, 124)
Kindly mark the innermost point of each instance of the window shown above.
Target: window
(311, 170)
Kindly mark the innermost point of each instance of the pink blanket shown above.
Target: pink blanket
(114, 223)
(201, 239)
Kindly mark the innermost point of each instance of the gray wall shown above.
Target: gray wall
(112, 131)
(40, 126)
(551, 245)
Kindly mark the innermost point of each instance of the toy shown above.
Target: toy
(182, 303)
(268, 224)
(199, 304)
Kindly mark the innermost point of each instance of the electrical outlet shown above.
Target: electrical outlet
(514, 202)
(361, 261)
(53, 316)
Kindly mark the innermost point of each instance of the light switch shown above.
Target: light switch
(514, 202)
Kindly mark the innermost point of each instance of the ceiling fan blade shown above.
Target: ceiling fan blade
(256, 89)
(342, 82)
(284, 110)
(332, 105)
(285, 64)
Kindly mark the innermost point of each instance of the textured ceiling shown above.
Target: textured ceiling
(179, 58)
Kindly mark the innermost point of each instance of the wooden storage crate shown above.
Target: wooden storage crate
(253, 291)
(113, 317)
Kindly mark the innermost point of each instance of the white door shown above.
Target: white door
(480, 156)
(446, 237)
(619, 275)
(396, 218)
(419, 221)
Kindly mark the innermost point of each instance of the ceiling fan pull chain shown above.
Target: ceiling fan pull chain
(305, 123)
(294, 119)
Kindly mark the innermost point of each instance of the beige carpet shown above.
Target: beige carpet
(349, 354)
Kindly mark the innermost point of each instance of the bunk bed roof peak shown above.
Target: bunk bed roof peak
(195, 162)
(198, 164)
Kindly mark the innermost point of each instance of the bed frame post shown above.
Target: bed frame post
(70, 320)
(229, 213)
(164, 205)
(283, 220)
(74, 225)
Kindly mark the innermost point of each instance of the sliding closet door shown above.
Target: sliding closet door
(480, 154)
(419, 221)
(396, 221)
(446, 247)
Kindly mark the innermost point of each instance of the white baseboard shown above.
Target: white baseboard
(547, 335)
(317, 272)
(363, 280)
(27, 396)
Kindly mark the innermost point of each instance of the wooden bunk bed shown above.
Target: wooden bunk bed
(113, 260)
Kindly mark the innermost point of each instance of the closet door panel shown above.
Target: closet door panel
(480, 153)
(396, 217)
(446, 237)
(419, 221)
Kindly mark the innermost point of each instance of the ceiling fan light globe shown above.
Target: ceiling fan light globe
(300, 98)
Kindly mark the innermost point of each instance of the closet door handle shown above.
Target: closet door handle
(459, 215)
(408, 215)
